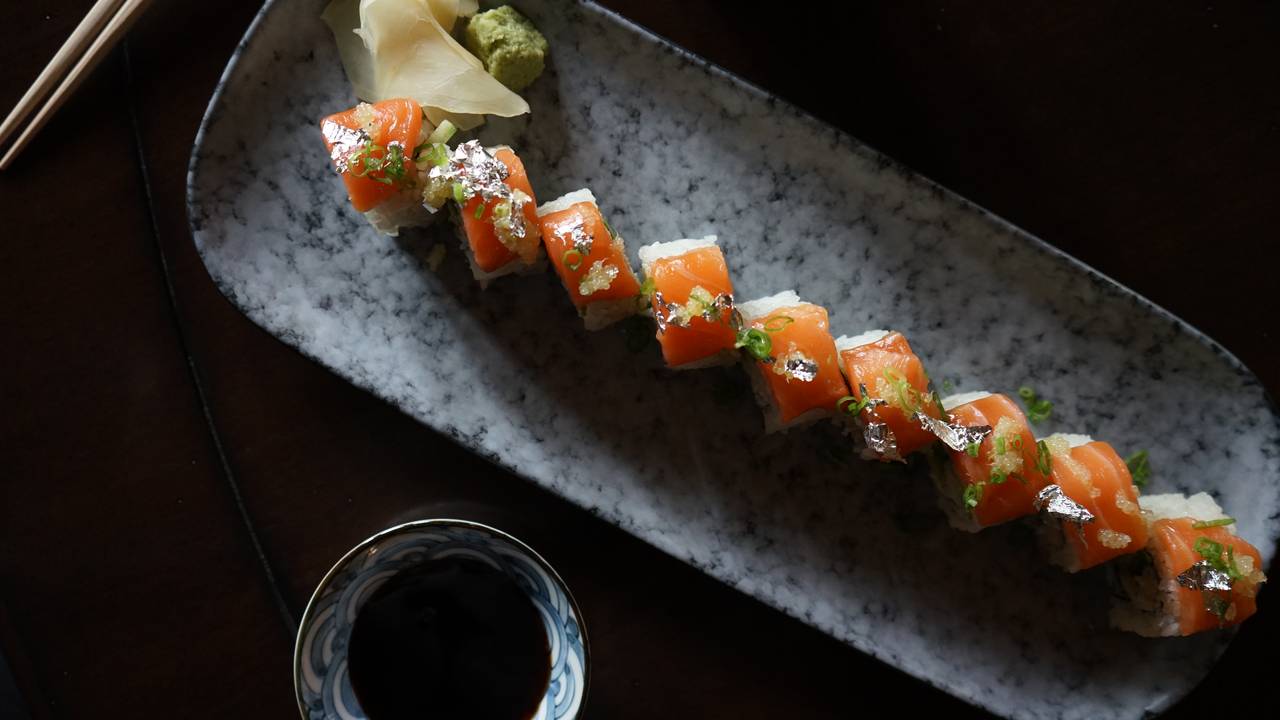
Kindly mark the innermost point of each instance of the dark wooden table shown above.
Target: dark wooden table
(174, 481)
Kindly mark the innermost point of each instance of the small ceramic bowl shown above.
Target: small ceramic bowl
(320, 676)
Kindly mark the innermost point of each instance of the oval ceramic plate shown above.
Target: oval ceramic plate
(320, 676)
(674, 148)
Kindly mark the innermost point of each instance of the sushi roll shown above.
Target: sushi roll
(992, 469)
(791, 358)
(495, 210)
(1194, 575)
(372, 148)
(688, 288)
(590, 259)
(889, 389)
(1091, 508)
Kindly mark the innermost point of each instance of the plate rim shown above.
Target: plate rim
(1098, 279)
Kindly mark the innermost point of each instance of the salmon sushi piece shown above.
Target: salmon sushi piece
(1091, 506)
(372, 147)
(1194, 575)
(495, 211)
(889, 387)
(791, 359)
(993, 469)
(590, 258)
(688, 289)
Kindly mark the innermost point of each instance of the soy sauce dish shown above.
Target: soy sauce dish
(441, 618)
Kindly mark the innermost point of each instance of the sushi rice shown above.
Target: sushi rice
(404, 210)
(674, 248)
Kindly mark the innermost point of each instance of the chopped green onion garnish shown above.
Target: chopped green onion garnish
(1232, 570)
(1016, 442)
(438, 155)
(393, 163)
(972, 495)
(389, 165)
(647, 288)
(997, 477)
(443, 132)
(1209, 550)
(972, 449)
(1038, 409)
(852, 405)
(1139, 468)
(479, 213)
(572, 259)
(1212, 552)
(908, 397)
(609, 227)
(756, 343)
(1201, 525)
(459, 194)
(1044, 458)
(361, 161)
(774, 324)
(1000, 445)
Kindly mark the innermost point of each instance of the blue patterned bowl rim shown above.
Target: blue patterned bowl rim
(569, 612)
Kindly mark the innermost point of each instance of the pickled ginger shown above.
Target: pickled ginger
(403, 48)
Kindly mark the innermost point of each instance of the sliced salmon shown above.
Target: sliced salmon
(1003, 467)
(590, 262)
(1173, 548)
(489, 251)
(891, 372)
(1095, 477)
(803, 371)
(369, 132)
(705, 330)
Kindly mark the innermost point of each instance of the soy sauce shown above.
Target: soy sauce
(450, 638)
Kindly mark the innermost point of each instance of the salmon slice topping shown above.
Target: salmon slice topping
(1005, 471)
(692, 299)
(802, 370)
(1214, 574)
(588, 258)
(496, 237)
(892, 375)
(1097, 479)
(372, 148)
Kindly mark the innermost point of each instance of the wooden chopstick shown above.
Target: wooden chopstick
(88, 28)
(99, 43)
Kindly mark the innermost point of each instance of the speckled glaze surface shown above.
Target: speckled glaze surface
(673, 149)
